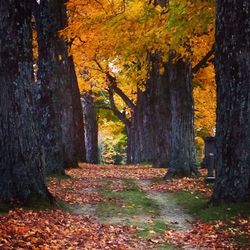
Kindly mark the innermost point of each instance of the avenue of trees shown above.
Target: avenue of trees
(144, 63)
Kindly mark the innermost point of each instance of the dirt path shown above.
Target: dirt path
(170, 212)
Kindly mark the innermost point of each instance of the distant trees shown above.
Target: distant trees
(90, 128)
(232, 61)
(143, 65)
(21, 160)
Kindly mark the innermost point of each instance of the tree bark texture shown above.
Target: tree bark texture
(159, 88)
(90, 128)
(140, 139)
(182, 150)
(60, 99)
(232, 61)
(21, 168)
(163, 121)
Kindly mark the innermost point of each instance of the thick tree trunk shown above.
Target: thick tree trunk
(161, 112)
(151, 119)
(91, 128)
(72, 116)
(162, 130)
(182, 151)
(50, 102)
(60, 99)
(79, 137)
(232, 53)
(140, 135)
(21, 170)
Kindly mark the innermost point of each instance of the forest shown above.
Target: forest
(124, 124)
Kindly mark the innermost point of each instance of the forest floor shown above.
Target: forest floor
(126, 207)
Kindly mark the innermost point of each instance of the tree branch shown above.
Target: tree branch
(124, 97)
(118, 91)
(203, 61)
(120, 115)
(113, 85)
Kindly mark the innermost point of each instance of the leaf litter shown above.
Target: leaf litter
(57, 229)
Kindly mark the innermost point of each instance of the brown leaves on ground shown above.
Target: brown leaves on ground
(88, 171)
(75, 191)
(55, 229)
(206, 236)
(52, 230)
(195, 184)
(202, 236)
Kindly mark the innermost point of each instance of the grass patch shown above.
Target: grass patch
(133, 201)
(4, 208)
(147, 230)
(166, 246)
(58, 176)
(197, 205)
(33, 203)
(158, 180)
(242, 240)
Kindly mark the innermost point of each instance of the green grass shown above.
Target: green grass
(197, 205)
(133, 201)
(157, 180)
(166, 246)
(58, 176)
(33, 204)
(4, 208)
(147, 230)
(242, 240)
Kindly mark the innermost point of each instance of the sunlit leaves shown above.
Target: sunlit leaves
(122, 34)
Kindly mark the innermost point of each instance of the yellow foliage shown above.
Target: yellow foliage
(120, 34)
(205, 102)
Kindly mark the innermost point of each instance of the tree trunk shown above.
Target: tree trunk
(60, 98)
(91, 128)
(79, 137)
(182, 151)
(140, 137)
(21, 169)
(50, 103)
(159, 87)
(232, 54)
(72, 116)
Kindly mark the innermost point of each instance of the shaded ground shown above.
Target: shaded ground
(121, 207)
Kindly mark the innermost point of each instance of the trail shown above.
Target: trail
(170, 212)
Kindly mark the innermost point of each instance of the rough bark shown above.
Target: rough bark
(90, 128)
(21, 168)
(232, 61)
(50, 102)
(62, 126)
(140, 139)
(162, 130)
(161, 111)
(74, 143)
(182, 151)
(151, 119)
